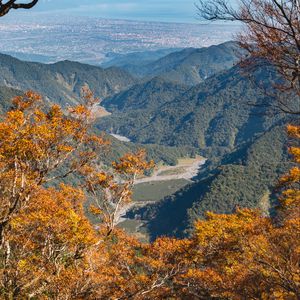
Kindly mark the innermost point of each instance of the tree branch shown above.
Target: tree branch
(6, 7)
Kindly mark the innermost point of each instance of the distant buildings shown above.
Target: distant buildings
(88, 40)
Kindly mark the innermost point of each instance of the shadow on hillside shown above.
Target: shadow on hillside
(169, 217)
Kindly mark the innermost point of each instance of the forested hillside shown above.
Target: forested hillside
(225, 119)
(157, 153)
(189, 66)
(215, 115)
(61, 82)
(145, 97)
(245, 178)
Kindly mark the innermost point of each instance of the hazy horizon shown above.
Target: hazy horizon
(175, 11)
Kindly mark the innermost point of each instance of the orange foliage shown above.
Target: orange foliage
(50, 250)
(46, 241)
(111, 193)
(290, 200)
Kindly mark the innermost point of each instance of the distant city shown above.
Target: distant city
(95, 41)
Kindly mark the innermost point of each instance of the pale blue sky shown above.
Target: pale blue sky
(157, 10)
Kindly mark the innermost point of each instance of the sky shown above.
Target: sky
(148, 10)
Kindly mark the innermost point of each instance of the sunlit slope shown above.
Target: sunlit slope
(62, 82)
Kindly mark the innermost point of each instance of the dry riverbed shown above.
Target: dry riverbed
(99, 111)
(165, 180)
(187, 168)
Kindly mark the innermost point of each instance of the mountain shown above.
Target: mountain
(190, 66)
(131, 61)
(145, 96)
(214, 116)
(244, 178)
(61, 82)
(244, 141)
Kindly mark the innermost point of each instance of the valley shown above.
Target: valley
(190, 103)
(147, 193)
(164, 181)
(146, 158)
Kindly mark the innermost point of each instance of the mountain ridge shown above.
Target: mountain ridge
(208, 115)
(62, 82)
(190, 66)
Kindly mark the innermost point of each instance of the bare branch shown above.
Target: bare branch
(6, 7)
(272, 34)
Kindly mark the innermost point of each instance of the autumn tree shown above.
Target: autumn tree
(48, 242)
(271, 34)
(6, 6)
(290, 200)
(46, 239)
(38, 147)
(112, 191)
(244, 255)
